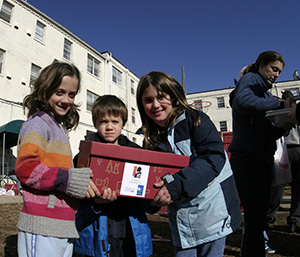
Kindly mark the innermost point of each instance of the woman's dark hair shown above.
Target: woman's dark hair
(164, 84)
(45, 86)
(263, 59)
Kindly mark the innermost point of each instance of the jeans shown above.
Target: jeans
(211, 249)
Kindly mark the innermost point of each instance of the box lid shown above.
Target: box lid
(134, 154)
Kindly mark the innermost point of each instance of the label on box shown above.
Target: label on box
(134, 181)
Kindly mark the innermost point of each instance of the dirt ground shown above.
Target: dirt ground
(288, 244)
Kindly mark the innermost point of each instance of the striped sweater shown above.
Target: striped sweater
(51, 186)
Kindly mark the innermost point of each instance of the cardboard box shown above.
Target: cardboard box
(128, 171)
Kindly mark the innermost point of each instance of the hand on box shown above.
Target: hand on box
(107, 196)
(92, 190)
(163, 197)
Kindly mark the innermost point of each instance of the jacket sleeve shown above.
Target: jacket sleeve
(249, 97)
(207, 161)
(55, 173)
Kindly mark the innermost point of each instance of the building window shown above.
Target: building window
(133, 115)
(197, 104)
(221, 102)
(132, 86)
(90, 99)
(67, 49)
(223, 126)
(39, 31)
(93, 66)
(116, 76)
(34, 73)
(2, 52)
(6, 10)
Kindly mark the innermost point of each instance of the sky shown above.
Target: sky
(213, 40)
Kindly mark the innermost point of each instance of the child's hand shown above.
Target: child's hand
(107, 196)
(92, 190)
(163, 196)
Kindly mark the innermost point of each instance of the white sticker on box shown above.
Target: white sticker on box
(135, 178)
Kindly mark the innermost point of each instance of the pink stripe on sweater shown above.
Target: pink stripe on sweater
(60, 213)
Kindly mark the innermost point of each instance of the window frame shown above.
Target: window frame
(2, 56)
(221, 102)
(39, 34)
(67, 51)
(132, 87)
(93, 66)
(6, 11)
(133, 114)
(223, 124)
(116, 76)
(89, 105)
(34, 72)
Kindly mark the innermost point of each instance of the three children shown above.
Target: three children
(203, 206)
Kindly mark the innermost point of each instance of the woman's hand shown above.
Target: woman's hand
(107, 196)
(163, 196)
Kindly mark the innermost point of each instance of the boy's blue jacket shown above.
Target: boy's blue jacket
(206, 205)
(92, 223)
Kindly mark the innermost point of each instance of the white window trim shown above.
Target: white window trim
(116, 76)
(93, 98)
(34, 72)
(68, 50)
(219, 103)
(7, 10)
(94, 66)
(2, 56)
(40, 29)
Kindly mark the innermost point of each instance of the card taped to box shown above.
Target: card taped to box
(129, 171)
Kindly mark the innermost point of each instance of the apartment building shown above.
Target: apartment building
(30, 40)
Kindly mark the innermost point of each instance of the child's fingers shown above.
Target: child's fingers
(163, 196)
(159, 184)
(109, 195)
(94, 188)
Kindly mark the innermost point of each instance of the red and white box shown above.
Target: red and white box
(130, 172)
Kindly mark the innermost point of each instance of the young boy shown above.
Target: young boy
(106, 222)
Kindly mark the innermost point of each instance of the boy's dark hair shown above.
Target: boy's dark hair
(44, 87)
(111, 105)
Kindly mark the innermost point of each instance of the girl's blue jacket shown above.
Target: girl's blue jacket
(206, 205)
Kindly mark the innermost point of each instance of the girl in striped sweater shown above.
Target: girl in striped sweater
(51, 186)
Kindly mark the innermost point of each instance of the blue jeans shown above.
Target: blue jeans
(211, 249)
